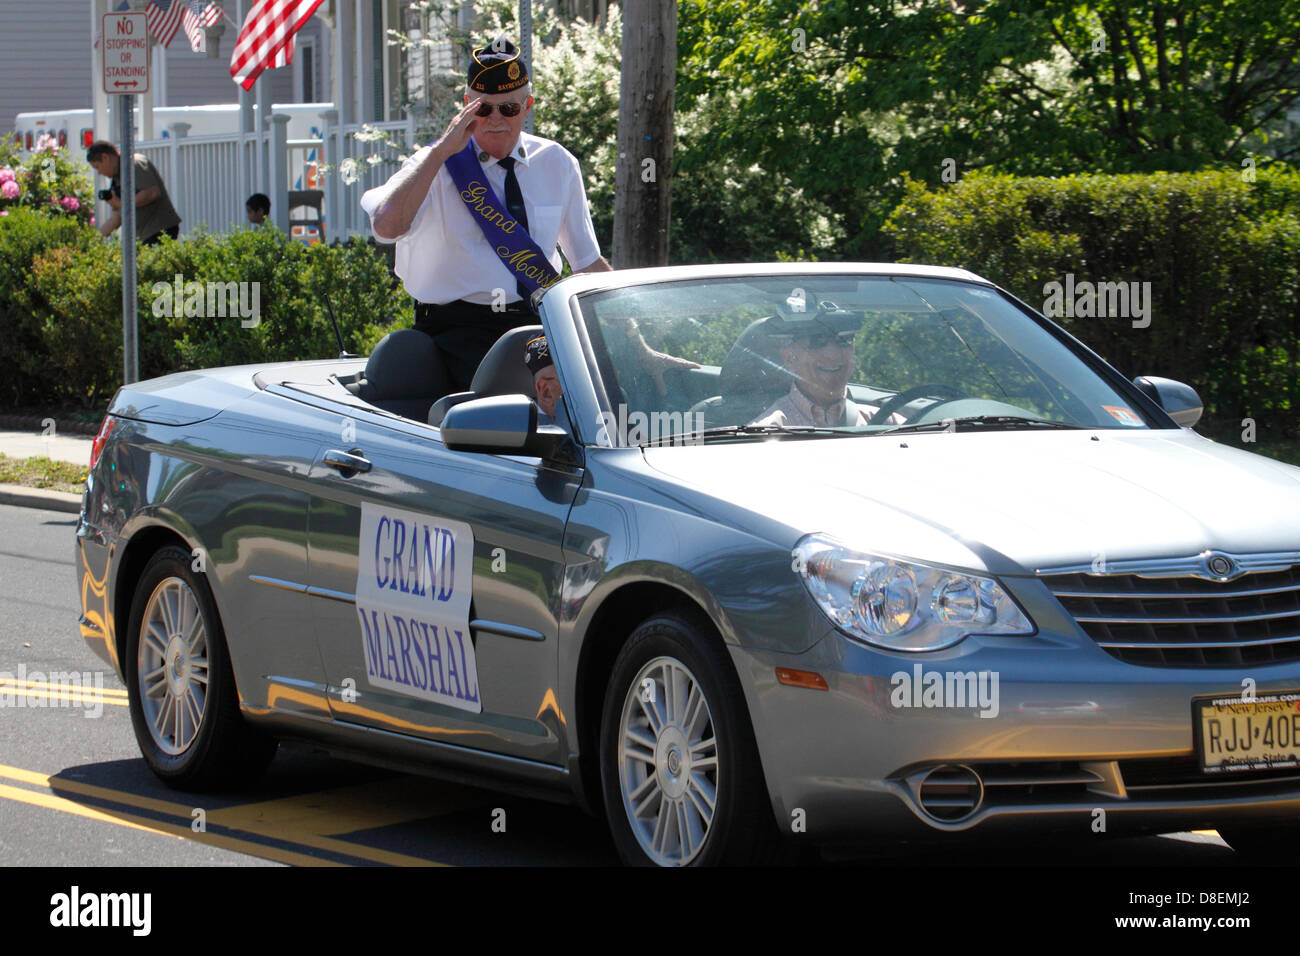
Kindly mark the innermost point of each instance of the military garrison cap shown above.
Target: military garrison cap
(497, 68)
(824, 317)
(537, 354)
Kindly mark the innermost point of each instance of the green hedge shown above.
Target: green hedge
(1222, 255)
(60, 306)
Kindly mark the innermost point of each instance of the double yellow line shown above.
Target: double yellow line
(294, 820)
(74, 693)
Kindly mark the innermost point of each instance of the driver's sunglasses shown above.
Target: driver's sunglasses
(507, 109)
(819, 340)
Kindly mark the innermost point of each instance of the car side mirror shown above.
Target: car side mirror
(501, 425)
(1180, 401)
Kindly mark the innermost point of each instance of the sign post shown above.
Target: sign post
(126, 73)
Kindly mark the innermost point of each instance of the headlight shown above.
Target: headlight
(902, 605)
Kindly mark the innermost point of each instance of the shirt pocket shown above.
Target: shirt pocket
(544, 226)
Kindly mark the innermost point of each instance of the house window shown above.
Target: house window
(306, 61)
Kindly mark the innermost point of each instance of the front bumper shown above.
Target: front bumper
(1070, 739)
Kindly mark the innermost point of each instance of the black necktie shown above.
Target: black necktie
(515, 204)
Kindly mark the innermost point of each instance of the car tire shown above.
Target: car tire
(702, 776)
(184, 704)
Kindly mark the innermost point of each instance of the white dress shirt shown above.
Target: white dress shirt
(796, 408)
(444, 255)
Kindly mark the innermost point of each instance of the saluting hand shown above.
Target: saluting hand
(461, 127)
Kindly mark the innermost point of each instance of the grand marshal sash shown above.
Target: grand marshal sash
(518, 252)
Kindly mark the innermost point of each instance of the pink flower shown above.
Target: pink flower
(92, 220)
(4, 212)
(6, 175)
(70, 203)
(46, 141)
(9, 190)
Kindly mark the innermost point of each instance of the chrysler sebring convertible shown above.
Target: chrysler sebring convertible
(805, 554)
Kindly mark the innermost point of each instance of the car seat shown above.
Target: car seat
(502, 372)
(404, 374)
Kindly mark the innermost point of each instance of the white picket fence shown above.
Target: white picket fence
(209, 178)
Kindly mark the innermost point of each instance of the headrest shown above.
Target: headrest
(502, 371)
(754, 366)
(406, 364)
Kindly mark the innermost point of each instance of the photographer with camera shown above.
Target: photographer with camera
(155, 216)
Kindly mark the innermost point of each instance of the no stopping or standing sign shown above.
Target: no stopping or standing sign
(126, 53)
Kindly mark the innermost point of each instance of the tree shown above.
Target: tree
(844, 97)
(643, 187)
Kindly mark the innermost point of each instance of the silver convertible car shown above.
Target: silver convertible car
(820, 554)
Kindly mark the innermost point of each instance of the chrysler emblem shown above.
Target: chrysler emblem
(1221, 566)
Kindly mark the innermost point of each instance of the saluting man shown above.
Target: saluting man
(477, 216)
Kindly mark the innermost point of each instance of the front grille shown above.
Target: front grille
(1153, 777)
(950, 793)
(1176, 615)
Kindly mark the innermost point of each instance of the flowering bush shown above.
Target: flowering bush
(48, 180)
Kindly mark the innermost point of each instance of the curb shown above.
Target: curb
(24, 497)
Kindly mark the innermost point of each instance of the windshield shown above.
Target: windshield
(828, 355)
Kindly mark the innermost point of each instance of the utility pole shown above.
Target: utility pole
(643, 179)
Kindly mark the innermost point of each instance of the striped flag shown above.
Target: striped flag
(284, 55)
(267, 31)
(164, 19)
(198, 15)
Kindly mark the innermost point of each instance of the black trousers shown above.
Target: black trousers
(174, 232)
(464, 332)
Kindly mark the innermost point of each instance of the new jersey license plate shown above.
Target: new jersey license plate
(1235, 735)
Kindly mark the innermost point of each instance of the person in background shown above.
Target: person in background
(155, 215)
(537, 356)
(258, 208)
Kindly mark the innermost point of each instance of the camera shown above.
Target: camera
(106, 194)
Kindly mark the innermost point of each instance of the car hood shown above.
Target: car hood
(1009, 502)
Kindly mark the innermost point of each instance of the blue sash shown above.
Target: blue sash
(518, 252)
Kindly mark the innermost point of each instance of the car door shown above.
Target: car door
(435, 584)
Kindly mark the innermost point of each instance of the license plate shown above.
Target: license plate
(1235, 735)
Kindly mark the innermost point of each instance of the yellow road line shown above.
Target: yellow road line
(276, 818)
(63, 805)
(68, 806)
(90, 790)
(46, 685)
(76, 698)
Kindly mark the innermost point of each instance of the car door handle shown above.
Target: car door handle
(344, 461)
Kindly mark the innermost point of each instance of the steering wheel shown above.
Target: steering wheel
(892, 405)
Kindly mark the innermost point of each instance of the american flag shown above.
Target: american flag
(268, 30)
(198, 15)
(164, 19)
(284, 55)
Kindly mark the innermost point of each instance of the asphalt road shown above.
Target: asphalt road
(74, 790)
